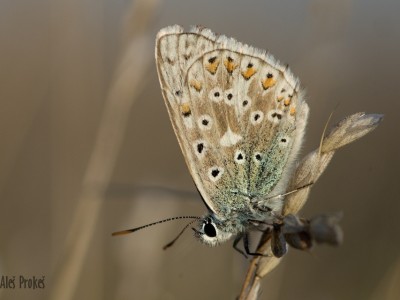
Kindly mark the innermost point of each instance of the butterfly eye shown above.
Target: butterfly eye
(209, 230)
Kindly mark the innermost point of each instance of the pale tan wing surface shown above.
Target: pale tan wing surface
(237, 113)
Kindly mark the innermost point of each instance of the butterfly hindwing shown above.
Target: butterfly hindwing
(235, 113)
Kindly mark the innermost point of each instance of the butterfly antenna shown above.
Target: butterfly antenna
(123, 232)
(292, 191)
(178, 236)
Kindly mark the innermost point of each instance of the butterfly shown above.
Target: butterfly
(239, 116)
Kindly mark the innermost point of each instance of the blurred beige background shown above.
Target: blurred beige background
(87, 149)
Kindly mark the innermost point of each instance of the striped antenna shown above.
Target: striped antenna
(123, 232)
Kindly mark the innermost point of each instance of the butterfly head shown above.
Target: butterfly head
(211, 232)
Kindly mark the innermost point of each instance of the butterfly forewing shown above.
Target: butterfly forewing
(235, 113)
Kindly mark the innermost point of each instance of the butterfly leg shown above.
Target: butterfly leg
(246, 247)
(236, 242)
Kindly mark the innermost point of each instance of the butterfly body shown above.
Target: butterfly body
(239, 118)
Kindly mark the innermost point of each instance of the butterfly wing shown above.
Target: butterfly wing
(237, 113)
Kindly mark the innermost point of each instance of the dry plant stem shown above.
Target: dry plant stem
(388, 286)
(123, 93)
(309, 170)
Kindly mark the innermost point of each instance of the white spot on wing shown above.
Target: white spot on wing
(228, 99)
(230, 138)
(188, 121)
(275, 116)
(244, 105)
(284, 141)
(257, 157)
(240, 158)
(216, 95)
(200, 148)
(256, 117)
(204, 122)
(215, 173)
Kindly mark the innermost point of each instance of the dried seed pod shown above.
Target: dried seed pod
(325, 229)
(293, 224)
(300, 241)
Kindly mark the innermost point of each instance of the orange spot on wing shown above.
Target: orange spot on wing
(292, 111)
(196, 85)
(267, 83)
(212, 67)
(185, 109)
(287, 102)
(230, 65)
(279, 98)
(248, 73)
